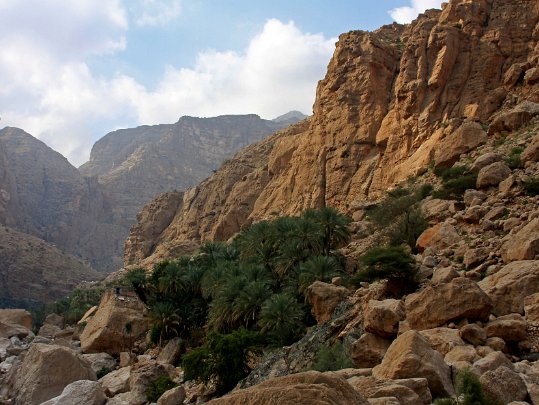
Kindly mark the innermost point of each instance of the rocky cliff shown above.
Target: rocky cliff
(45, 196)
(33, 271)
(134, 165)
(393, 101)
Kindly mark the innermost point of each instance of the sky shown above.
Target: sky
(73, 70)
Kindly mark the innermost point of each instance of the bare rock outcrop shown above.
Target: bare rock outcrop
(80, 392)
(324, 298)
(391, 102)
(511, 285)
(310, 387)
(108, 330)
(46, 371)
(434, 306)
(524, 245)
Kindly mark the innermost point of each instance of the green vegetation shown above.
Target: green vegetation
(223, 358)
(332, 358)
(455, 181)
(469, 392)
(243, 294)
(72, 308)
(513, 160)
(531, 187)
(103, 372)
(399, 215)
(158, 387)
(392, 263)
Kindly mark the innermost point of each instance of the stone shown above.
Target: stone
(141, 378)
(496, 343)
(491, 362)
(531, 153)
(80, 392)
(174, 396)
(444, 275)
(87, 315)
(310, 387)
(16, 316)
(496, 213)
(49, 331)
(419, 385)
(467, 137)
(474, 214)
(46, 370)
(465, 353)
(8, 330)
(524, 245)
(101, 361)
(434, 306)
(531, 308)
(515, 118)
(126, 359)
(369, 350)
(438, 237)
(474, 257)
(508, 287)
(120, 399)
(485, 160)
(504, 385)
(106, 331)
(473, 197)
(116, 381)
(171, 352)
(510, 328)
(384, 401)
(370, 387)
(382, 317)
(410, 356)
(443, 340)
(56, 320)
(324, 298)
(474, 334)
(435, 209)
(492, 175)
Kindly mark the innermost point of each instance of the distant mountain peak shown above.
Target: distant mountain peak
(291, 117)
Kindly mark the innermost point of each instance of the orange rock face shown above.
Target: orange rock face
(392, 102)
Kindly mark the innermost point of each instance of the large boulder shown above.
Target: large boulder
(491, 362)
(324, 298)
(410, 356)
(511, 120)
(467, 137)
(524, 245)
(382, 317)
(369, 350)
(531, 308)
(438, 237)
(504, 385)
(371, 387)
(101, 361)
(8, 330)
(16, 316)
(474, 334)
(531, 153)
(140, 379)
(492, 175)
(510, 328)
(443, 339)
(171, 352)
(116, 381)
(80, 392)
(310, 387)
(174, 396)
(46, 371)
(434, 306)
(508, 287)
(118, 322)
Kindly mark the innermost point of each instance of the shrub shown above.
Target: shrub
(531, 187)
(407, 228)
(103, 372)
(158, 387)
(223, 358)
(332, 358)
(469, 391)
(513, 160)
(393, 263)
(281, 318)
(454, 189)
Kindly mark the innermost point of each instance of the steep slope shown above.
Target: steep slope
(393, 101)
(46, 197)
(135, 165)
(33, 271)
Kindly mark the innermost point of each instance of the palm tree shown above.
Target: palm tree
(281, 318)
(334, 227)
(166, 319)
(249, 301)
(221, 313)
(322, 268)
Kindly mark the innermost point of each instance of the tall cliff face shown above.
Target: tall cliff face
(392, 102)
(48, 198)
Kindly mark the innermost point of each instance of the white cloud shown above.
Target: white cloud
(48, 89)
(156, 12)
(404, 15)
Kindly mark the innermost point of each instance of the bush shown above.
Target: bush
(407, 228)
(223, 359)
(455, 181)
(531, 187)
(392, 263)
(158, 387)
(332, 358)
(469, 391)
(103, 372)
(513, 160)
